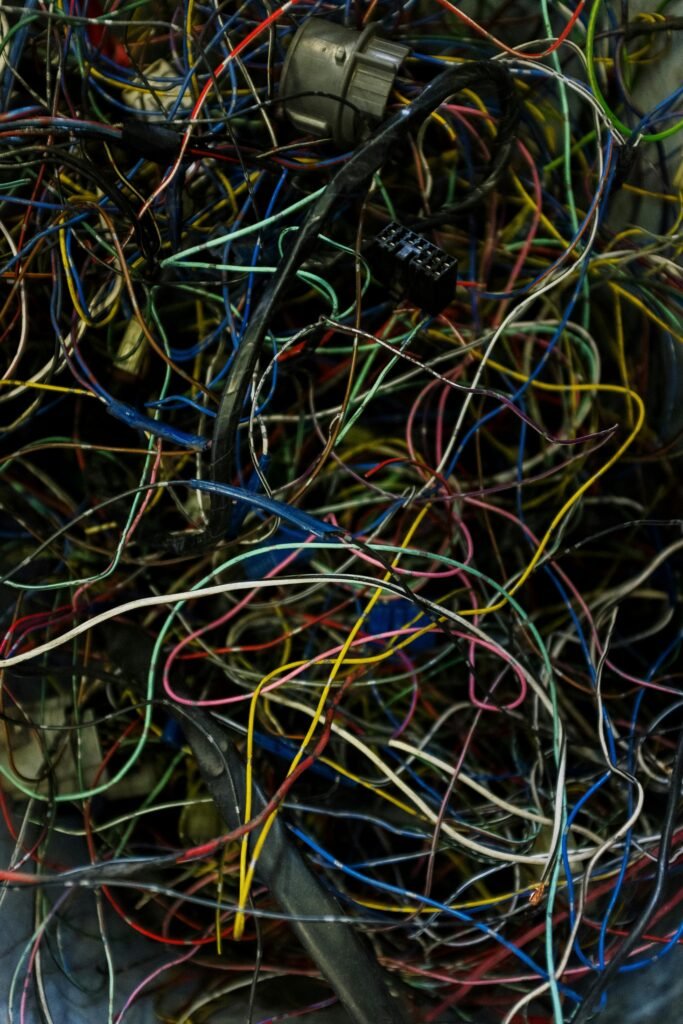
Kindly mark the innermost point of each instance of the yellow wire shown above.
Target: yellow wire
(392, 648)
(566, 507)
(434, 116)
(530, 204)
(615, 389)
(116, 298)
(45, 387)
(194, 84)
(621, 351)
(247, 873)
(646, 311)
(469, 904)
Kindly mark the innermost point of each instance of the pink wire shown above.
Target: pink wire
(358, 641)
(211, 83)
(533, 230)
(151, 977)
(242, 603)
(645, 683)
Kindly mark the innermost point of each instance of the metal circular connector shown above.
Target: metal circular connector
(336, 81)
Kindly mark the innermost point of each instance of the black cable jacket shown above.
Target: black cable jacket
(146, 231)
(600, 984)
(340, 953)
(348, 184)
(635, 29)
(506, 134)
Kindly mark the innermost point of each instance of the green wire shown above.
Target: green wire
(593, 79)
(566, 125)
(405, 340)
(178, 257)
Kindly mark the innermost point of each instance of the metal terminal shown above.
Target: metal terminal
(336, 81)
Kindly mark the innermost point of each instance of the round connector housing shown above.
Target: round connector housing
(336, 81)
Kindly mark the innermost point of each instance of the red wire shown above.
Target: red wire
(208, 85)
(480, 30)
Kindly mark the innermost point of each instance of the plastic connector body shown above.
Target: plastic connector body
(152, 141)
(410, 265)
(336, 81)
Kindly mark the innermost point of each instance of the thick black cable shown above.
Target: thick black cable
(338, 950)
(506, 133)
(146, 231)
(349, 183)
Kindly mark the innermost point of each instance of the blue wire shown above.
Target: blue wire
(628, 839)
(427, 901)
(259, 501)
(535, 373)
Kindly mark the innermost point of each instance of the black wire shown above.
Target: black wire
(340, 953)
(350, 183)
(147, 233)
(508, 123)
(600, 984)
(635, 29)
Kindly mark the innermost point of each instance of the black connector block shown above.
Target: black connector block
(154, 142)
(412, 266)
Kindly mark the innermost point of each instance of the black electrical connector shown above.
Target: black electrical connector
(152, 141)
(355, 175)
(409, 265)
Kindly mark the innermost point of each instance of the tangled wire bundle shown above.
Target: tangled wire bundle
(340, 639)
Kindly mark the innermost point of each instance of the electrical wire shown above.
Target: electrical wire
(340, 637)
